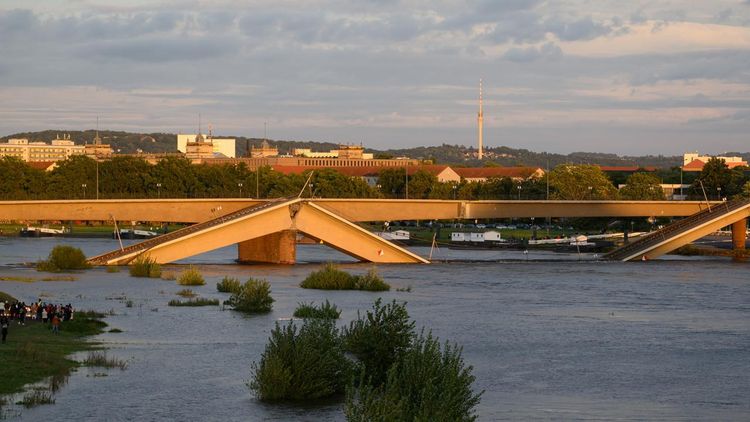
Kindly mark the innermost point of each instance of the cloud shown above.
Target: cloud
(530, 54)
(192, 50)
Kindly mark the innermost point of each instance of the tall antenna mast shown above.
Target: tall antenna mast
(480, 123)
(97, 139)
(199, 123)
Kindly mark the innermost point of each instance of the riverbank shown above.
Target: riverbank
(32, 353)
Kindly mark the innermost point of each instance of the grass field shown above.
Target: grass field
(32, 353)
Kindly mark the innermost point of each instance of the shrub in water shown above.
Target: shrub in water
(325, 311)
(379, 338)
(253, 297)
(191, 277)
(63, 258)
(330, 277)
(371, 282)
(228, 285)
(145, 266)
(426, 383)
(301, 365)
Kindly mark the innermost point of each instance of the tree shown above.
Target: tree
(19, 180)
(642, 186)
(717, 179)
(67, 179)
(421, 184)
(392, 182)
(580, 182)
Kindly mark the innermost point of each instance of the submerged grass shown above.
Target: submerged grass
(325, 310)
(99, 358)
(186, 293)
(36, 398)
(145, 266)
(194, 302)
(229, 285)
(191, 277)
(32, 353)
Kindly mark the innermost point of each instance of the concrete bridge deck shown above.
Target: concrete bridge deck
(356, 210)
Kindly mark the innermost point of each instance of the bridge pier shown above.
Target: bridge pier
(739, 234)
(274, 248)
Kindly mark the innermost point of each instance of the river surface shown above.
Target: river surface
(550, 336)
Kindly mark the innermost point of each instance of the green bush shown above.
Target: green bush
(424, 384)
(309, 310)
(371, 282)
(301, 365)
(191, 277)
(64, 258)
(379, 338)
(194, 302)
(254, 297)
(228, 285)
(145, 266)
(330, 277)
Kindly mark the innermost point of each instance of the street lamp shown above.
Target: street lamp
(406, 177)
(83, 185)
(718, 193)
(591, 188)
(519, 192)
(455, 187)
(158, 190)
(311, 189)
(239, 185)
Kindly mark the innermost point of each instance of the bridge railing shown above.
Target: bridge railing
(150, 243)
(676, 228)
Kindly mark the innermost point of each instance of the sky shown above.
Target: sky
(629, 77)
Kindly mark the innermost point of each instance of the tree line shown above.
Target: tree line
(80, 177)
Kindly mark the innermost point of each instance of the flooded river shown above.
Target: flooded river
(550, 336)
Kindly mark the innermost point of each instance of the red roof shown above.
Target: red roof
(41, 165)
(498, 172)
(358, 171)
(697, 165)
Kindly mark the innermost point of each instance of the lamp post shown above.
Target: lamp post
(83, 186)
(158, 190)
(239, 185)
(591, 189)
(257, 182)
(311, 189)
(406, 177)
(519, 192)
(718, 193)
(455, 187)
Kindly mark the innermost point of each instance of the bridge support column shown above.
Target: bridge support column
(274, 248)
(739, 234)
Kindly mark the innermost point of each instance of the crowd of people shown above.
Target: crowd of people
(37, 311)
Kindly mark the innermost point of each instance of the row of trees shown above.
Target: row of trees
(175, 177)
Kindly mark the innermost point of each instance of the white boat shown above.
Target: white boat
(399, 235)
(29, 231)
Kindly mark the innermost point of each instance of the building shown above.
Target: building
(57, 150)
(352, 152)
(222, 146)
(371, 174)
(482, 174)
(265, 150)
(692, 161)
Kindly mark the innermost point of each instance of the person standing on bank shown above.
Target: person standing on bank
(4, 323)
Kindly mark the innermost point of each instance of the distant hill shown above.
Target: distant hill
(457, 155)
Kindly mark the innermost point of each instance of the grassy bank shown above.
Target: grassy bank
(32, 353)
